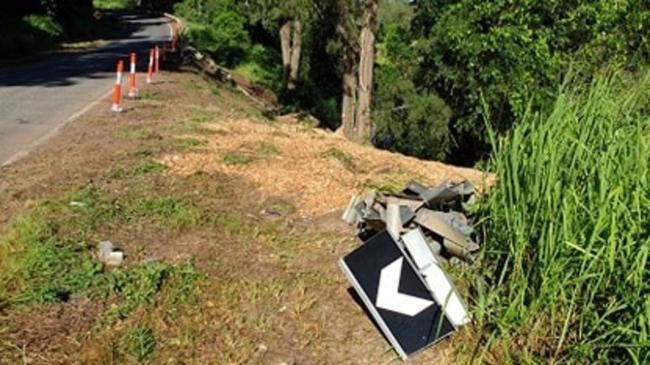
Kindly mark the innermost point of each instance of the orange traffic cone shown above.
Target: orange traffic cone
(117, 93)
(157, 56)
(150, 69)
(133, 89)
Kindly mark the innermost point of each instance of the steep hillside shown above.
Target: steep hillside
(230, 226)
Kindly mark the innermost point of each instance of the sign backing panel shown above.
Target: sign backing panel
(395, 295)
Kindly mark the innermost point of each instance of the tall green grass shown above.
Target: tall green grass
(565, 276)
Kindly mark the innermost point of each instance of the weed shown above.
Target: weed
(138, 344)
(137, 287)
(343, 157)
(183, 282)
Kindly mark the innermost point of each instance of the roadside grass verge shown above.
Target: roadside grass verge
(565, 276)
(194, 121)
(145, 167)
(138, 133)
(47, 253)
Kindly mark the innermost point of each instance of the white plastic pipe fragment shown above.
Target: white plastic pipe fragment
(440, 286)
(393, 218)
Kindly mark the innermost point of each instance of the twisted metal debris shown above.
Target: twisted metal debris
(438, 211)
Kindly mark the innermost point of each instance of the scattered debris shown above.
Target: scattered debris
(77, 204)
(396, 271)
(438, 211)
(109, 255)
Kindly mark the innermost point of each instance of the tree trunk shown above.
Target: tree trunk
(348, 110)
(296, 48)
(366, 69)
(285, 44)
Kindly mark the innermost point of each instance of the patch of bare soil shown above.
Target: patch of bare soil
(267, 240)
(51, 333)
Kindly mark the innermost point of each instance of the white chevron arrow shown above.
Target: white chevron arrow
(388, 296)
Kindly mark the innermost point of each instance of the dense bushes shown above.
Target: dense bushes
(27, 35)
(440, 62)
(217, 27)
(513, 55)
(29, 27)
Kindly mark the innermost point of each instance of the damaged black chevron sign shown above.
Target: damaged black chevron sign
(395, 295)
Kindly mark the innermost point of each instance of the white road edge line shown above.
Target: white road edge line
(24, 153)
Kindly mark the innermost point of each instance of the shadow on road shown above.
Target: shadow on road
(137, 33)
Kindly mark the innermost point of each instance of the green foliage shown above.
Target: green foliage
(27, 35)
(263, 66)
(138, 344)
(567, 246)
(149, 167)
(137, 287)
(218, 27)
(45, 24)
(512, 56)
(114, 4)
(47, 254)
(38, 268)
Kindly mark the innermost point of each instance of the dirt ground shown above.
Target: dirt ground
(269, 195)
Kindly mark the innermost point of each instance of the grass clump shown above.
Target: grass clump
(188, 143)
(145, 167)
(38, 268)
(568, 238)
(138, 133)
(237, 158)
(149, 167)
(137, 287)
(194, 122)
(138, 344)
(261, 148)
(167, 210)
(150, 95)
(47, 254)
(347, 160)
(152, 283)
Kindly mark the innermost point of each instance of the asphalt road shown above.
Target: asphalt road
(39, 97)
